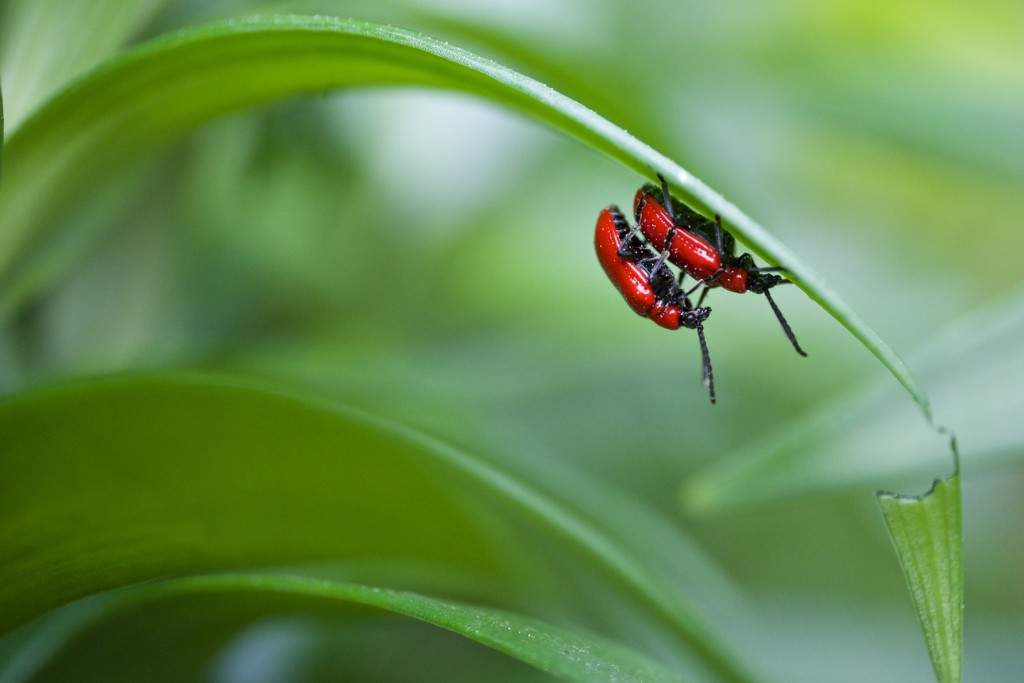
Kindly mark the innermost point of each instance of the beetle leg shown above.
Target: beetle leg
(624, 245)
(666, 201)
(719, 240)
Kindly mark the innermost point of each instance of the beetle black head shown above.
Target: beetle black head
(759, 280)
(759, 283)
(693, 317)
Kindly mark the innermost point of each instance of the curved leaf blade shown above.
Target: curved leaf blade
(156, 92)
(86, 32)
(928, 535)
(112, 482)
(567, 654)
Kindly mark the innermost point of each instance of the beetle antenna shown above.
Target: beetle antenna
(709, 376)
(785, 326)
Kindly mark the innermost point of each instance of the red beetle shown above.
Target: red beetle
(686, 249)
(666, 221)
(651, 292)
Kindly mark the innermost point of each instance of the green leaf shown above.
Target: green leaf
(86, 32)
(111, 482)
(130, 479)
(2, 138)
(156, 92)
(927, 533)
(567, 654)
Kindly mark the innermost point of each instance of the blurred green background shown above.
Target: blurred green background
(429, 256)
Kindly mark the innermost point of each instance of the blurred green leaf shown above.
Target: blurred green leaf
(148, 477)
(156, 92)
(567, 654)
(928, 537)
(86, 32)
(2, 138)
(868, 437)
(112, 482)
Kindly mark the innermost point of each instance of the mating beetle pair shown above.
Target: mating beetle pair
(685, 239)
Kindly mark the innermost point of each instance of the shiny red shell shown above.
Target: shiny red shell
(632, 281)
(734, 279)
(665, 316)
(689, 251)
